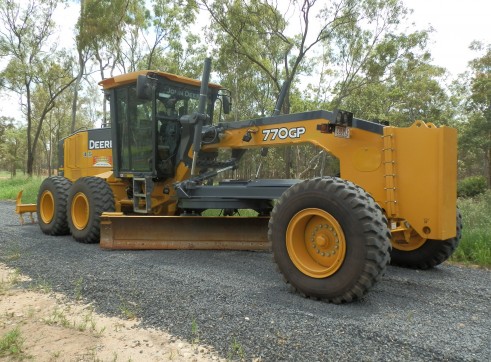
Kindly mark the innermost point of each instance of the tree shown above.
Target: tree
(83, 53)
(414, 92)
(475, 132)
(12, 145)
(168, 23)
(100, 30)
(32, 61)
(257, 31)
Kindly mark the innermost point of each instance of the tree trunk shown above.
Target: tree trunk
(287, 156)
(30, 151)
(14, 164)
(101, 69)
(489, 165)
(288, 149)
(81, 69)
(81, 65)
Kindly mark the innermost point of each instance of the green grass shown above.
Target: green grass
(10, 187)
(11, 344)
(475, 245)
(129, 310)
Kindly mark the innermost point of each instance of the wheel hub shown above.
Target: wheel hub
(316, 243)
(405, 238)
(325, 240)
(80, 211)
(47, 206)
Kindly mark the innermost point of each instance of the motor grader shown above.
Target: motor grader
(145, 182)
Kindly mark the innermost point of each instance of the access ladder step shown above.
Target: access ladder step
(142, 199)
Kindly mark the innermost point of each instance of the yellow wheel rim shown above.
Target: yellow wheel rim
(80, 211)
(47, 207)
(315, 243)
(407, 240)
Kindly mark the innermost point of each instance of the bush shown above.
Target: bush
(472, 186)
(474, 247)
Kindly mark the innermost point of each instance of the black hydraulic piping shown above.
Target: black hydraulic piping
(281, 98)
(201, 116)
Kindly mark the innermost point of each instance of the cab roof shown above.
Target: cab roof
(128, 78)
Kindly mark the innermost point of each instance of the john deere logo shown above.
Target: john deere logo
(100, 139)
(100, 145)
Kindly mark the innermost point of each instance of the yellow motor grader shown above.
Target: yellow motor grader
(145, 182)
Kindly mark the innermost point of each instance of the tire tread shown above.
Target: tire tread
(367, 212)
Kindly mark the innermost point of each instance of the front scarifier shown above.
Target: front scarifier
(330, 239)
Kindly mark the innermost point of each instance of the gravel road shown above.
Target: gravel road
(237, 302)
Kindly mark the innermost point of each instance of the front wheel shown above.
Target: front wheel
(330, 239)
(88, 198)
(421, 253)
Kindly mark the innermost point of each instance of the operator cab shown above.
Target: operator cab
(146, 112)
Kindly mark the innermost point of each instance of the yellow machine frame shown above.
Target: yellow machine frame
(330, 238)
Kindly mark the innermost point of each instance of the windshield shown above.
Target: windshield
(134, 125)
(174, 101)
(148, 131)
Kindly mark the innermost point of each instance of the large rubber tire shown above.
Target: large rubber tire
(330, 239)
(88, 198)
(52, 204)
(430, 254)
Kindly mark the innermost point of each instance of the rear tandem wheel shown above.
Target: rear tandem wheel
(88, 198)
(330, 239)
(52, 205)
(421, 253)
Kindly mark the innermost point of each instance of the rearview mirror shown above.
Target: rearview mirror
(226, 104)
(143, 88)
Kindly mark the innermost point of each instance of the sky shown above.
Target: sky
(456, 24)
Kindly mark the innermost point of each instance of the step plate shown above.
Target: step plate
(184, 232)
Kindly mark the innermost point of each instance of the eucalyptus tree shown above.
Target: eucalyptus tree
(32, 62)
(128, 35)
(415, 91)
(169, 21)
(366, 50)
(475, 128)
(13, 147)
(263, 35)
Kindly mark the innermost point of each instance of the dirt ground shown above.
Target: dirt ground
(47, 327)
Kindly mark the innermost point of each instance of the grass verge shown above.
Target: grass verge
(10, 187)
(475, 245)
